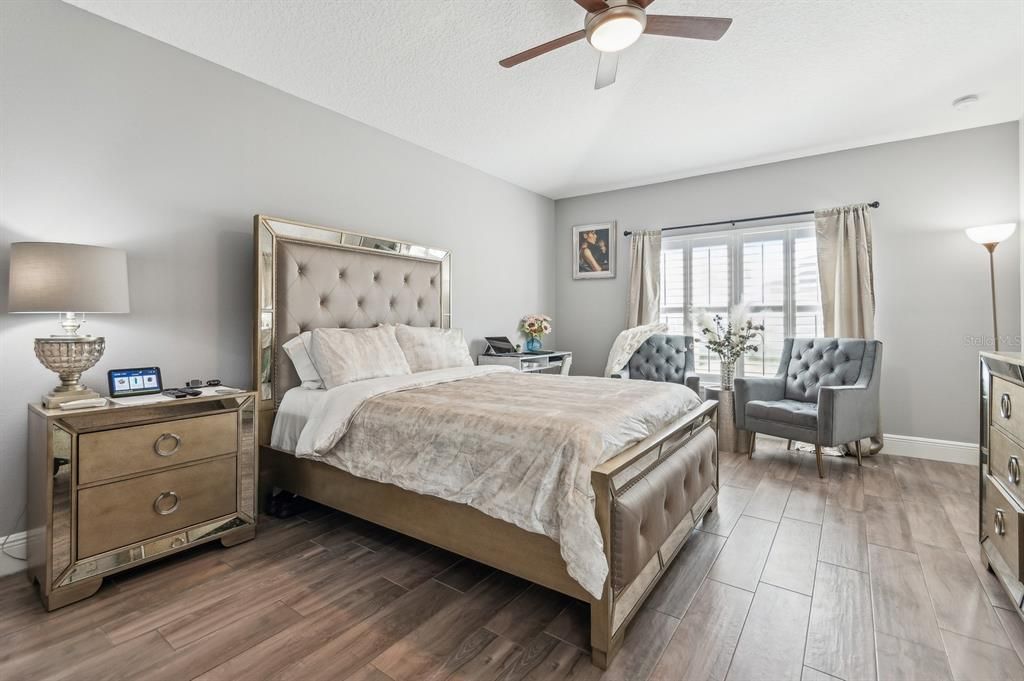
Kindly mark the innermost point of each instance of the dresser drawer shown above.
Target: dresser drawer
(124, 451)
(1001, 522)
(1007, 405)
(122, 513)
(1005, 461)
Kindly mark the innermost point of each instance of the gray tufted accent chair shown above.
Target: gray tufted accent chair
(826, 392)
(665, 358)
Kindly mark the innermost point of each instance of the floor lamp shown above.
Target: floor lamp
(990, 236)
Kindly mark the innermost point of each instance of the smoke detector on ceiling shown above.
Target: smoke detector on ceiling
(964, 103)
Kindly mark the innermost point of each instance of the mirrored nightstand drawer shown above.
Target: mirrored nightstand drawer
(121, 513)
(124, 451)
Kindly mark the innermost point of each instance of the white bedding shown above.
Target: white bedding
(292, 415)
(517, 447)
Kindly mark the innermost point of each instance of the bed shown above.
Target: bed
(644, 473)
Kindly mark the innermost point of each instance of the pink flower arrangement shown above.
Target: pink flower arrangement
(535, 325)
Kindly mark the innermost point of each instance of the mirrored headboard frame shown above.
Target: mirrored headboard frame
(268, 233)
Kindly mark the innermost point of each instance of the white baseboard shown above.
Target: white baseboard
(17, 544)
(930, 448)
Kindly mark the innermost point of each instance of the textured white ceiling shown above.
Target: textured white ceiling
(789, 79)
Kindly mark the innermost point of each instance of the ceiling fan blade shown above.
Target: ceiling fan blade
(644, 4)
(509, 62)
(701, 28)
(607, 66)
(594, 5)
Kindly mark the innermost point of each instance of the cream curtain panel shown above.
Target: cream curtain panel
(845, 271)
(846, 276)
(645, 278)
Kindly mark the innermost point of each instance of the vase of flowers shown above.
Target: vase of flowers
(729, 336)
(534, 327)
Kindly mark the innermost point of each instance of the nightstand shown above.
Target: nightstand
(117, 486)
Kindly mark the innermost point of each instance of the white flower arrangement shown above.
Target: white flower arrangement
(535, 325)
(729, 336)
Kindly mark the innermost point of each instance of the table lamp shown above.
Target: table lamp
(990, 236)
(69, 280)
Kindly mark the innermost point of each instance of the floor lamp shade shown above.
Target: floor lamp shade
(70, 280)
(51, 277)
(991, 236)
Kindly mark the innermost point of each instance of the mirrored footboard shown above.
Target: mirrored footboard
(649, 498)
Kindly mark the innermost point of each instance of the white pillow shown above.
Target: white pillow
(347, 355)
(297, 350)
(427, 348)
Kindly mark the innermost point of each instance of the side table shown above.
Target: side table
(730, 438)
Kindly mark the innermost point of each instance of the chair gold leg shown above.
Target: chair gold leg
(821, 464)
(857, 444)
(789, 445)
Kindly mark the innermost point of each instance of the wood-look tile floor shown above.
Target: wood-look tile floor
(872, 573)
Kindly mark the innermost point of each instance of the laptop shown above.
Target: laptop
(500, 345)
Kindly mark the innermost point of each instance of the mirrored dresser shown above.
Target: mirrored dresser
(113, 487)
(1001, 526)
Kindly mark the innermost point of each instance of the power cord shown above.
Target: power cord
(3, 545)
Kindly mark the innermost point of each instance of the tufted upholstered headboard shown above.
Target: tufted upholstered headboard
(310, 277)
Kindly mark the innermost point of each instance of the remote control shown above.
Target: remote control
(85, 404)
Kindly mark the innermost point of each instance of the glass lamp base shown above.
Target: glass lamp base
(68, 357)
(53, 400)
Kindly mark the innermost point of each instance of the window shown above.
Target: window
(774, 270)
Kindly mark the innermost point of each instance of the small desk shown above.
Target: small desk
(730, 438)
(521, 361)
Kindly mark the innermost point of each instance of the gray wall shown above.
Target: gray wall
(112, 138)
(931, 282)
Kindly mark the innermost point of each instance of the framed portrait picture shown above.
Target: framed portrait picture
(593, 251)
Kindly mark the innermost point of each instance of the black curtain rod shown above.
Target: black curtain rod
(873, 204)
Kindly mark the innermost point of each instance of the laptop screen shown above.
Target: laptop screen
(500, 345)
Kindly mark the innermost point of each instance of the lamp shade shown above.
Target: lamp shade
(991, 234)
(50, 277)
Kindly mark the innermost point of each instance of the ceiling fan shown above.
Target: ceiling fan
(613, 25)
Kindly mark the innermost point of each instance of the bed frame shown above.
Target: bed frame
(400, 282)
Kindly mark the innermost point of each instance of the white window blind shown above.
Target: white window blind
(774, 270)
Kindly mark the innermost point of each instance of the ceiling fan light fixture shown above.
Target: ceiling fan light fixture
(616, 28)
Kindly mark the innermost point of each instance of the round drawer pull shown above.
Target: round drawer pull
(1000, 524)
(1005, 406)
(167, 436)
(177, 542)
(158, 503)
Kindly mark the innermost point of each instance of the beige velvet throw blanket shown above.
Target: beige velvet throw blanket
(518, 447)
